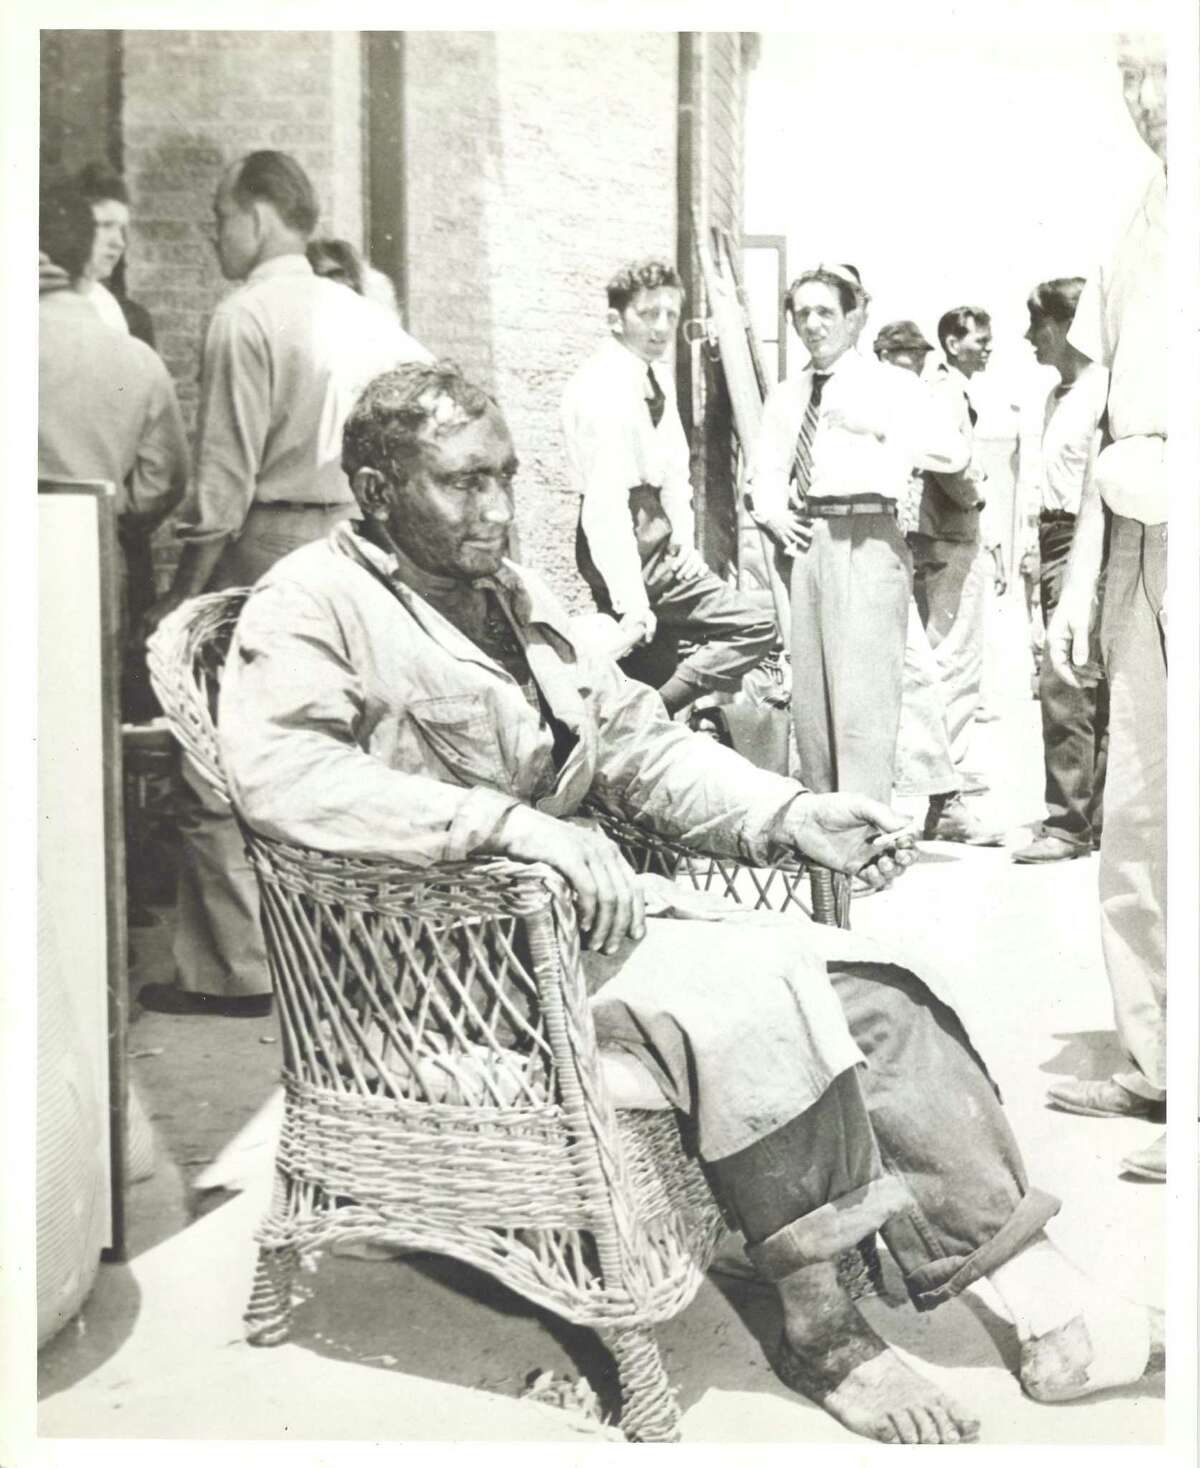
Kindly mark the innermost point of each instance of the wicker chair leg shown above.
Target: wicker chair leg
(268, 1316)
(649, 1411)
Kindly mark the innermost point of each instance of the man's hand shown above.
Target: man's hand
(51, 277)
(848, 423)
(791, 532)
(610, 905)
(1069, 638)
(635, 628)
(687, 560)
(999, 576)
(853, 834)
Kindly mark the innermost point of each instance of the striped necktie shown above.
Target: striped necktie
(802, 459)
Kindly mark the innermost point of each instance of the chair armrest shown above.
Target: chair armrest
(775, 888)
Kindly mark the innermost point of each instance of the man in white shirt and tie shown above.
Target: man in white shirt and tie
(635, 545)
(838, 442)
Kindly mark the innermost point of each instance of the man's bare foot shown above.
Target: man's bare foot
(832, 1356)
(1094, 1352)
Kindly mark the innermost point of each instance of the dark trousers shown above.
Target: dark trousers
(1074, 720)
(708, 633)
(921, 1122)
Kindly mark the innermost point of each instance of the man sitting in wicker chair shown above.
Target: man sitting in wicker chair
(401, 690)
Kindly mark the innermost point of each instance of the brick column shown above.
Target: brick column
(536, 166)
(193, 102)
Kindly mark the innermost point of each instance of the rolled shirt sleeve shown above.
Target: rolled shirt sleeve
(292, 709)
(235, 419)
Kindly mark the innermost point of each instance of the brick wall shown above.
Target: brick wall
(535, 167)
(193, 102)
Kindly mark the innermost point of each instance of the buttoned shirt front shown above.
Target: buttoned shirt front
(1070, 438)
(612, 447)
(1121, 322)
(106, 408)
(285, 357)
(876, 424)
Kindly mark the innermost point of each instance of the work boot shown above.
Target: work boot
(948, 819)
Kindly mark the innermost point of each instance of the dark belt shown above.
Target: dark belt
(1056, 517)
(829, 506)
(302, 505)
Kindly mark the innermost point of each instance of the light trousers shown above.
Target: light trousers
(924, 763)
(850, 591)
(950, 586)
(1133, 853)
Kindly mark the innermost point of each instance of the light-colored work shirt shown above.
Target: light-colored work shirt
(285, 357)
(1121, 323)
(876, 425)
(613, 446)
(1071, 437)
(107, 408)
(106, 306)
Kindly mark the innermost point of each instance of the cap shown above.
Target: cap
(901, 336)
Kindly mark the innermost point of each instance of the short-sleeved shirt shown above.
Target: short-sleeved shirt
(1069, 438)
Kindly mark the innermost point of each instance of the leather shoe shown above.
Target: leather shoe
(949, 819)
(1103, 1098)
(169, 999)
(1048, 847)
(1149, 1162)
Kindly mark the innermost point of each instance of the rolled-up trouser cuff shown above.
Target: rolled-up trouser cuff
(940, 1280)
(830, 1229)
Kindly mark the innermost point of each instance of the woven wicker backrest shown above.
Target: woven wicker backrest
(392, 981)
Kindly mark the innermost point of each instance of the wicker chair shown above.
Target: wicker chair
(443, 1087)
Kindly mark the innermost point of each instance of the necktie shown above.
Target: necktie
(802, 459)
(656, 399)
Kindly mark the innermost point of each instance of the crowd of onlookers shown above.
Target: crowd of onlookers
(865, 481)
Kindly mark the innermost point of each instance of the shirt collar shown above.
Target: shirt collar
(629, 363)
(281, 265)
(527, 599)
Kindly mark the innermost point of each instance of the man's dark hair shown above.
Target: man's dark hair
(641, 275)
(845, 280)
(97, 182)
(346, 259)
(959, 321)
(66, 229)
(394, 412)
(279, 180)
(1056, 299)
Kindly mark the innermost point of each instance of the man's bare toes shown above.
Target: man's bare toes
(906, 1427)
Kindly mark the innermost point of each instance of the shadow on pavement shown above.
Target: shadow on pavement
(1088, 1055)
